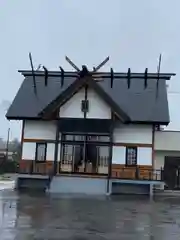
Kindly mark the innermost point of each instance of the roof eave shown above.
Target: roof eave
(22, 118)
(165, 123)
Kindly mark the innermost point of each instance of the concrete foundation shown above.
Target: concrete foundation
(128, 188)
(82, 185)
(86, 185)
(134, 187)
(32, 182)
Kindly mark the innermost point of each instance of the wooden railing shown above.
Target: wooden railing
(138, 173)
(118, 171)
(32, 167)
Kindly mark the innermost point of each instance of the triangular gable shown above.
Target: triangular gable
(74, 88)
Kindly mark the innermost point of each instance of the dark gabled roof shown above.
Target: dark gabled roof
(137, 103)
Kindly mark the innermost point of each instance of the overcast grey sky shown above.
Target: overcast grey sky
(132, 33)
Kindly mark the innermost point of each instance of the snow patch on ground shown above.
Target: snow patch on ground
(7, 185)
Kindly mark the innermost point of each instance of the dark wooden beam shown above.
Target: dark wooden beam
(110, 152)
(56, 148)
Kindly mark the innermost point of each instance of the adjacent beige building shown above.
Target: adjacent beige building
(167, 143)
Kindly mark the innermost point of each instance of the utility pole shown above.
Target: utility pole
(7, 144)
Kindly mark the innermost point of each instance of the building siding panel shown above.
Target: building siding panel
(28, 150)
(118, 155)
(144, 156)
(123, 134)
(72, 108)
(167, 140)
(97, 107)
(50, 151)
(133, 134)
(40, 130)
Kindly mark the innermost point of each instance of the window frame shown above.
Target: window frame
(36, 153)
(136, 152)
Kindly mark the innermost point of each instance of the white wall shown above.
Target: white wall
(144, 155)
(72, 108)
(40, 130)
(97, 107)
(122, 134)
(136, 134)
(29, 149)
(167, 140)
(118, 155)
(45, 130)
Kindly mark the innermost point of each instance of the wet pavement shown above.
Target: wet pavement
(31, 216)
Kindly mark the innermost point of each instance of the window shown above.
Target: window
(131, 156)
(68, 154)
(103, 155)
(94, 138)
(157, 128)
(41, 149)
(85, 106)
(89, 138)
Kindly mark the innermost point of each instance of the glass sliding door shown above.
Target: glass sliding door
(85, 154)
(78, 163)
(67, 160)
(103, 159)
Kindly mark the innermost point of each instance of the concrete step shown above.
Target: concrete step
(173, 193)
(32, 184)
(158, 186)
(78, 185)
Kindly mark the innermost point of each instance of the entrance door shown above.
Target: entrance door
(172, 172)
(78, 158)
(177, 186)
(85, 154)
(85, 158)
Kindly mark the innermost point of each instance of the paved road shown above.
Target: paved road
(24, 217)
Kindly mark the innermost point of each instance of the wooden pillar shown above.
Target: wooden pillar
(153, 142)
(56, 148)
(22, 139)
(110, 154)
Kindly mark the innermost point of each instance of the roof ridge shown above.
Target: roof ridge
(105, 73)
